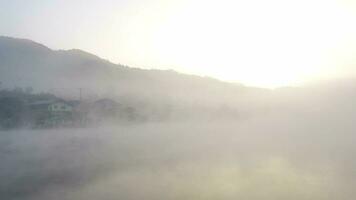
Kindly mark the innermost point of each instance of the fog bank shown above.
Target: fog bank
(260, 158)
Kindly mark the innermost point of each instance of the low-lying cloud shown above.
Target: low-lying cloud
(260, 158)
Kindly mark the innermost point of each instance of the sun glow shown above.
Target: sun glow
(255, 42)
(260, 43)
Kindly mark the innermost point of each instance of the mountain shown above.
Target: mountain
(25, 63)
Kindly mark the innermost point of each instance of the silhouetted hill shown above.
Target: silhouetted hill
(26, 63)
(162, 93)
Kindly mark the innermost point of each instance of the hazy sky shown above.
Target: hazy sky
(256, 42)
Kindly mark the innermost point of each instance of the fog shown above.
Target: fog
(182, 137)
(274, 156)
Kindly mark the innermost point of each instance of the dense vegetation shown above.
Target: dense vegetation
(17, 110)
(13, 109)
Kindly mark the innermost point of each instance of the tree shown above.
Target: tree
(11, 110)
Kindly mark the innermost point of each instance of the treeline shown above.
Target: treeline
(21, 107)
(13, 110)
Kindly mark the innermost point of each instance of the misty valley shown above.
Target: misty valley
(75, 126)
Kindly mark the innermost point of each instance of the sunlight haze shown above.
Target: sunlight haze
(259, 43)
(177, 99)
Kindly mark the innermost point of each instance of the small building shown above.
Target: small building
(51, 106)
(51, 112)
(106, 106)
(60, 107)
(42, 105)
(103, 110)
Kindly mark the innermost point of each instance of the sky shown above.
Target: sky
(257, 42)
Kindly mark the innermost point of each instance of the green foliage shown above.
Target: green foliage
(21, 107)
(11, 109)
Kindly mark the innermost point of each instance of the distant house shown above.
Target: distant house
(60, 107)
(106, 106)
(42, 105)
(108, 109)
(52, 112)
(103, 110)
(51, 106)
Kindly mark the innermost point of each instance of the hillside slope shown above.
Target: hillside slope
(25, 63)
